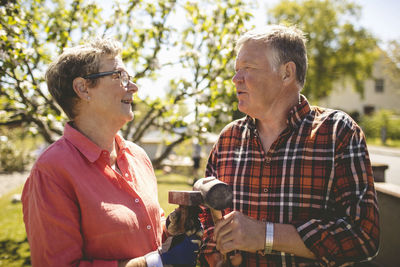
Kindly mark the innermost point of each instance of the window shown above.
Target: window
(379, 85)
(368, 109)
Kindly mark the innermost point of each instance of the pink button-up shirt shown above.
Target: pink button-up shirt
(79, 212)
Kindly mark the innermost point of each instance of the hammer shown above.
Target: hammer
(209, 191)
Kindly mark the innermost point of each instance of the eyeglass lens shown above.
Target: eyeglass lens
(124, 76)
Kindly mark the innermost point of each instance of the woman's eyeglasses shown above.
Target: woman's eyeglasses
(122, 75)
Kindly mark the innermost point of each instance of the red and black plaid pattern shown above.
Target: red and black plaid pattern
(317, 176)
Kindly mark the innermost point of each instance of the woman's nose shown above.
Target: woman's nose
(132, 87)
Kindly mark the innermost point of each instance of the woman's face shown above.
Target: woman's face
(110, 100)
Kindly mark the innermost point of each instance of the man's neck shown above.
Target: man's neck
(273, 123)
(269, 130)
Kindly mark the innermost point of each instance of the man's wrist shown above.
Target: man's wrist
(153, 259)
(269, 237)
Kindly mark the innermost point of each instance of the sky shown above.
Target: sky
(379, 16)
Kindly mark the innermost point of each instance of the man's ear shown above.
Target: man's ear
(80, 88)
(288, 72)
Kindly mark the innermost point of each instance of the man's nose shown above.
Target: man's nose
(237, 78)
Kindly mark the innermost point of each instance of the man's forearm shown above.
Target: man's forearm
(288, 240)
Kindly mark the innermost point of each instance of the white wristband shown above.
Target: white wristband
(269, 237)
(153, 259)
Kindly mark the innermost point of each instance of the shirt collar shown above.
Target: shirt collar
(298, 112)
(89, 149)
(250, 123)
(296, 115)
(121, 143)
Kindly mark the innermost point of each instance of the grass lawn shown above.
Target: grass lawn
(170, 182)
(14, 248)
(389, 143)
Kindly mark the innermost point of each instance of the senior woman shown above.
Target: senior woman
(91, 197)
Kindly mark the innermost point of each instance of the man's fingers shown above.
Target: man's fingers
(225, 242)
(222, 224)
(225, 246)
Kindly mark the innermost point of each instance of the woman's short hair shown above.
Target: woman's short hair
(286, 43)
(77, 61)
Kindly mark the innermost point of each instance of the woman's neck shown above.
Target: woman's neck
(98, 133)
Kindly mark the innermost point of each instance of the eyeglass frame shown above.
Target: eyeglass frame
(107, 73)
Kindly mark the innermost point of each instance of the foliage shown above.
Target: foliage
(29, 32)
(197, 49)
(11, 158)
(336, 48)
(15, 149)
(392, 62)
(372, 125)
(195, 98)
(33, 32)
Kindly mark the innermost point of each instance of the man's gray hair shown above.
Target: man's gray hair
(286, 44)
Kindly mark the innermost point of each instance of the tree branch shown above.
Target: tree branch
(157, 161)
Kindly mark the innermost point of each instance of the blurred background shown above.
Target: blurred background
(181, 55)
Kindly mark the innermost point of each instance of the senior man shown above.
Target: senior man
(301, 175)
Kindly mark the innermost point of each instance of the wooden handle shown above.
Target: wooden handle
(236, 255)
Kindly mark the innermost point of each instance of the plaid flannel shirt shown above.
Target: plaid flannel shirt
(316, 176)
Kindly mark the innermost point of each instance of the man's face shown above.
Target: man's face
(258, 86)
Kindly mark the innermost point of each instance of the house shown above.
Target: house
(380, 92)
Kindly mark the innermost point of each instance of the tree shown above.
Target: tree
(337, 49)
(392, 62)
(29, 32)
(206, 47)
(32, 32)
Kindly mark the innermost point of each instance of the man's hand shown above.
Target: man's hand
(237, 231)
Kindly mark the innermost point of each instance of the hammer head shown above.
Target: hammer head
(216, 194)
(206, 191)
(185, 198)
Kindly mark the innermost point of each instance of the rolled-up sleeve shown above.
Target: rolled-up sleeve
(350, 230)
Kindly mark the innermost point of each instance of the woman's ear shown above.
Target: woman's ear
(80, 88)
(288, 72)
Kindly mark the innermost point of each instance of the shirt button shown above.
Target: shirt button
(267, 159)
(126, 175)
(148, 227)
(265, 190)
(136, 200)
(264, 219)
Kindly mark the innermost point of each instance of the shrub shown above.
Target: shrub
(373, 125)
(11, 157)
(16, 148)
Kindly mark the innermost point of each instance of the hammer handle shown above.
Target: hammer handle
(217, 215)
